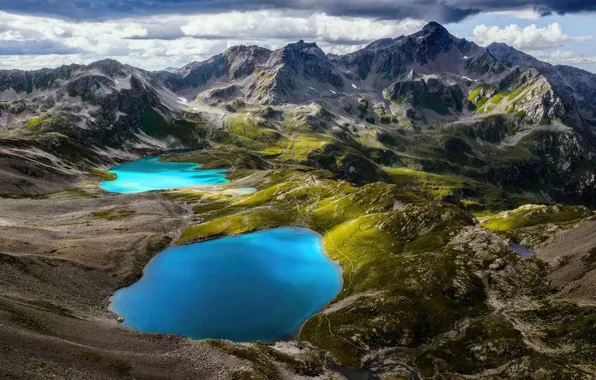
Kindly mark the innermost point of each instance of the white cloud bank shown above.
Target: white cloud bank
(566, 57)
(156, 42)
(543, 43)
(528, 38)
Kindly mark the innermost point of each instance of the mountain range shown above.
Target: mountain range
(492, 113)
(422, 161)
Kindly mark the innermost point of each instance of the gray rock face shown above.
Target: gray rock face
(291, 72)
(431, 51)
(103, 104)
(576, 86)
(431, 93)
(305, 61)
(235, 63)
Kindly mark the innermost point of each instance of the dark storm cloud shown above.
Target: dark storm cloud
(440, 10)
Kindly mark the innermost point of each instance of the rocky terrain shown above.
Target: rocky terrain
(419, 159)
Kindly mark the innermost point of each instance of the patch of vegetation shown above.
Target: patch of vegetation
(399, 100)
(531, 215)
(452, 189)
(237, 224)
(486, 109)
(497, 98)
(252, 128)
(517, 92)
(301, 145)
(545, 121)
(487, 343)
(116, 213)
(435, 103)
(102, 175)
(475, 99)
(566, 324)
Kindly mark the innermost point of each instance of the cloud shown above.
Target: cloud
(528, 38)
(277, 25)
(154, 42)
(35, 47)
(158, 41)
(439, 10)
(566, 57)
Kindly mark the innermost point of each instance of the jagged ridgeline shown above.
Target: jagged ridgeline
(407, 156)
(428, 102)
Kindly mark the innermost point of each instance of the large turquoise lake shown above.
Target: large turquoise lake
(152, 174)
(256, 287)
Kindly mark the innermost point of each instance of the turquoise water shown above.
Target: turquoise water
(151, 174)
(255, 287)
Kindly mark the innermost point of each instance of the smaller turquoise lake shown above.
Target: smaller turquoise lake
(151, 174)
(255, 287)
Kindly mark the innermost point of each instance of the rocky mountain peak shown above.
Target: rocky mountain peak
(241, 60)
(435, 33)
(107, 66)
(303, 49)
(243, 50)
(434, 27)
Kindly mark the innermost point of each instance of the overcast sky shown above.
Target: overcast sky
(155, 34)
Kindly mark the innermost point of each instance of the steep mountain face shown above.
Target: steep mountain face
(431, 51)
(256, 74)
(291, 74)
(104, 104)
(234, 64)
(578, 86)
(76, 117)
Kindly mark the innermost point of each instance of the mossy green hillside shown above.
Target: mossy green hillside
(418, 275)
(489, 342)
(534, 225)
(531, 215)
(472, 195)
(403, 284)
(102, 175)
